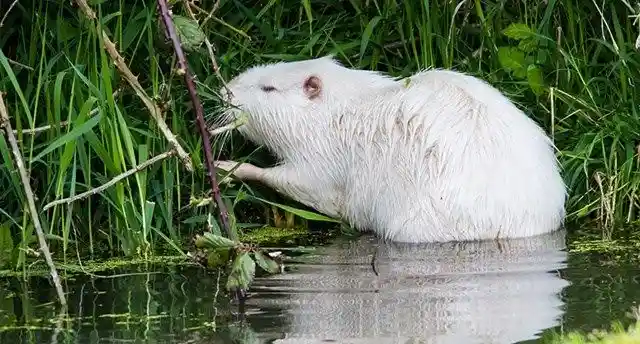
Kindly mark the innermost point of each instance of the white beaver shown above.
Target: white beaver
(440, 156)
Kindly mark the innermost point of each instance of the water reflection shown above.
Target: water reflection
(478, 292)
(482, 292)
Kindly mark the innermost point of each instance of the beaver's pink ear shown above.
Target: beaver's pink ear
(312, 87)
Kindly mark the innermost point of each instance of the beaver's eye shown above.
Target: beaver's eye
(268, 88)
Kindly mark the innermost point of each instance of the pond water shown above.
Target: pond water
(489, 292)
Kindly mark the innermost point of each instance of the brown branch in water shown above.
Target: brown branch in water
(184, 69)
(153, 108)
(113, 181)
(4, 122)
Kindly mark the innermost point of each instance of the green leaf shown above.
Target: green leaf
(214, 241)
(513, 60)
(307, 9)
(528, 45)
(518, 31)
(242, 272)
(308, 215)
(248, 269)
(366, 35)
(190, 34)
(266, 263)
(70, 136)
(535, 79)
(6, 244)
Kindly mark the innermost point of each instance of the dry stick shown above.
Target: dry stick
(184, 68)
(4, 122)
(50, 126)
(7, 13)
(113, 181)
(153, 108)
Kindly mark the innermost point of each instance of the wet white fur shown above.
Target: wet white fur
(442, 156)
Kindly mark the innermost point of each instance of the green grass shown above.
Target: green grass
(571, 65)
(617, 334)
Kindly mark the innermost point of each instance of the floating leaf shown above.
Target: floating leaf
(535, 79)
(512, 59)
(266, 263)
(211, 240)
(518, 31)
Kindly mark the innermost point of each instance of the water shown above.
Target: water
(508, 292)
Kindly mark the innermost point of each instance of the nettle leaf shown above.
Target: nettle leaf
(190, 33)
(518, 31)
(512, 59)
(211, 240)
(266, 263)
(242, 272)
(528, 45)
(535, 79)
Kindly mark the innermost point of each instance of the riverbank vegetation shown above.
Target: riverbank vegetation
(81, 120)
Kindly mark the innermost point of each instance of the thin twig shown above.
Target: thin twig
(184, 69)
(153, 108)
(51, 126)
(113, 181)
(210, 47)
(7, 13)
(39, 129)
(4, 122)
(20, 65)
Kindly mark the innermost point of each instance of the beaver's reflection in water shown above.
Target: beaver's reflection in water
(472, 292)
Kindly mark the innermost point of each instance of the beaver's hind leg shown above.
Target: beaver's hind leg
(294, 182)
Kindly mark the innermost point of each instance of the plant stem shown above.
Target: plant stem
(113, 181)
(153, 108)
(184, 69)
(4, 122)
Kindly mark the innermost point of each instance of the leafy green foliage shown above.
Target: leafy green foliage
(214, 241)
(242, 272)
(518, 60)
(266, 263)
(189, 32)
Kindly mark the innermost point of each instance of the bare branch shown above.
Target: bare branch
(24, 176)
(7, 13)
(113, 181)
(184, 69)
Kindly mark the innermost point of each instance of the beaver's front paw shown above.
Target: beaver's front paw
(242, 171)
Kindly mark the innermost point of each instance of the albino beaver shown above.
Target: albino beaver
(440, 156)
